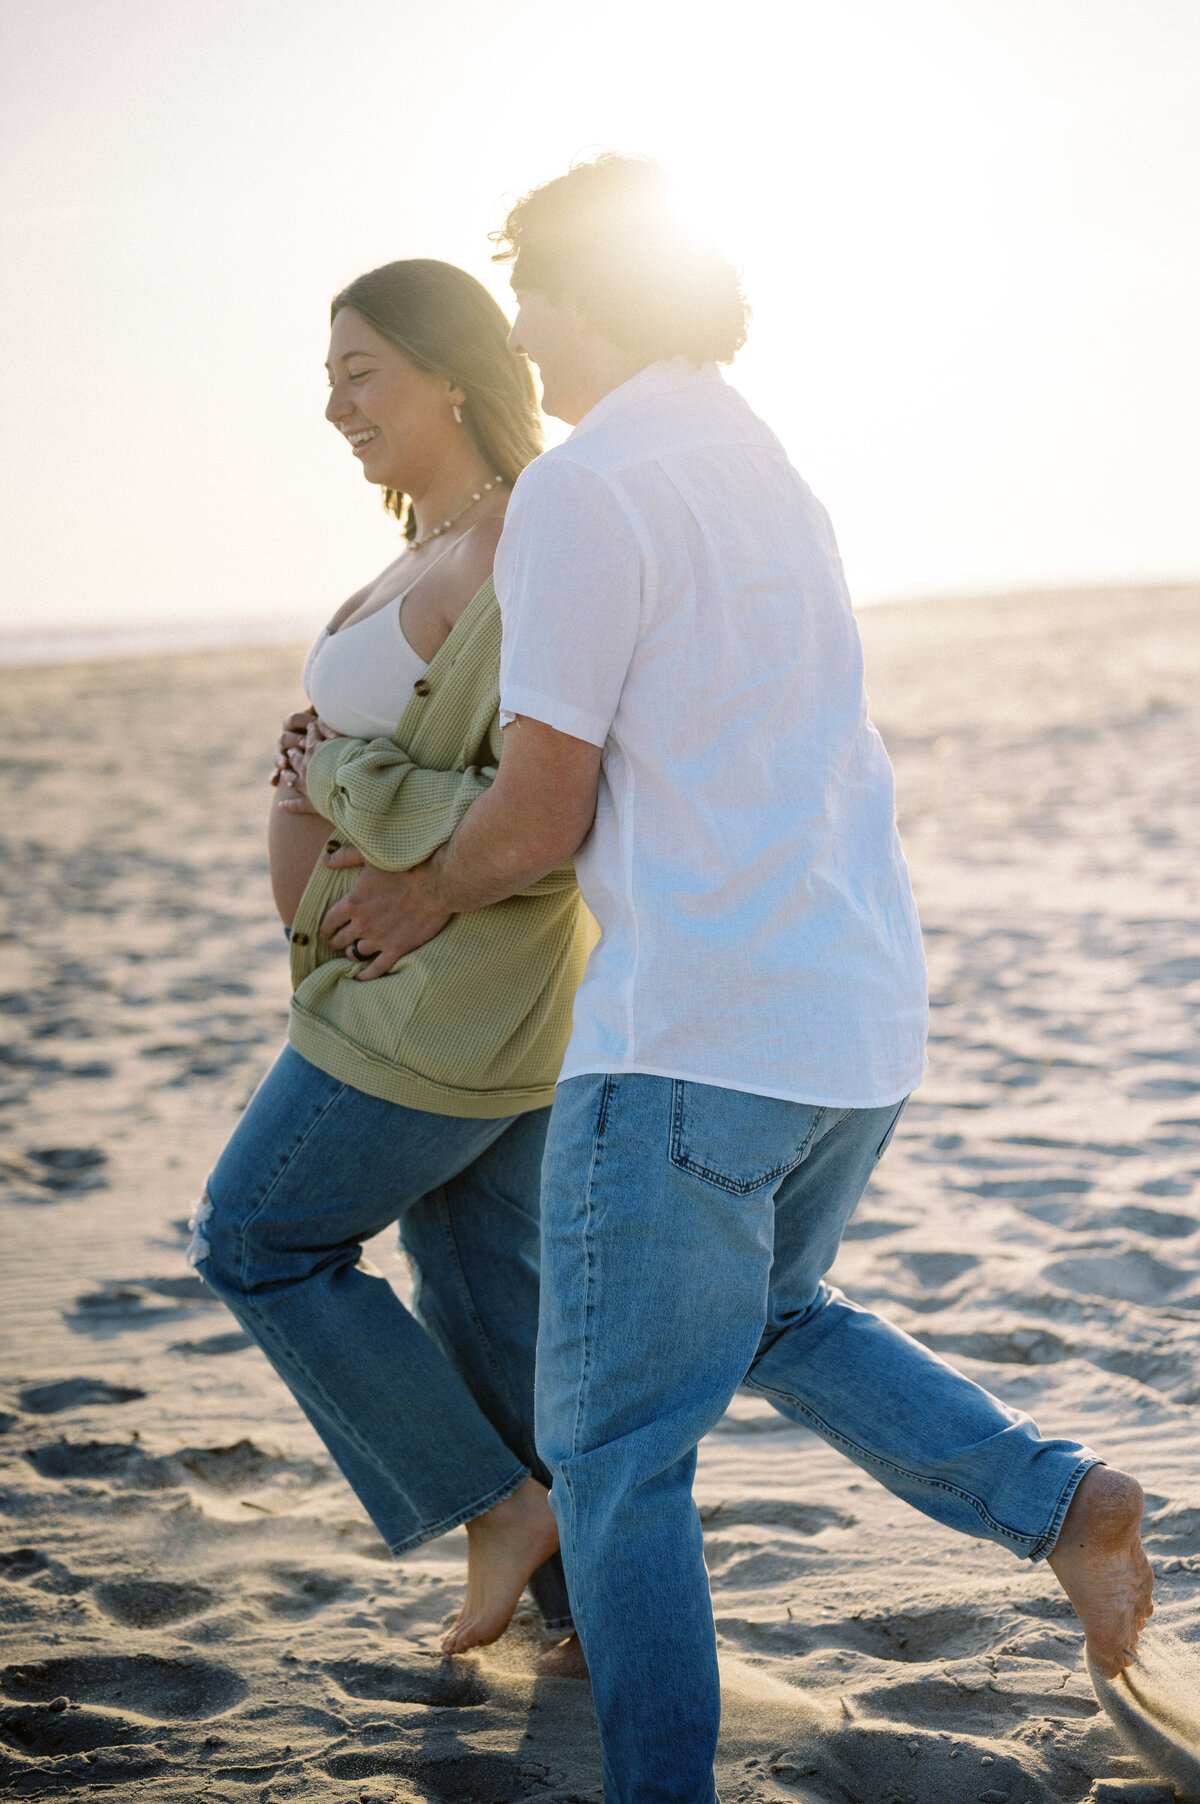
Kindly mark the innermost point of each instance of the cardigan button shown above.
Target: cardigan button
(299, 939)
(420, 687)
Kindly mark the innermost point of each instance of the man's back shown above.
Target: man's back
(672, 591)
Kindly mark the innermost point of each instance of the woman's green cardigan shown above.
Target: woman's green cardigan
(475, 1022)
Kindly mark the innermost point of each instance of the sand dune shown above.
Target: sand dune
(191, 1602)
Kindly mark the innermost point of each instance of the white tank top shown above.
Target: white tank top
(360, 678)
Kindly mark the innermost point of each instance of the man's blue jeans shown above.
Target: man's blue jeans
(686, 1231)
(429, 1416)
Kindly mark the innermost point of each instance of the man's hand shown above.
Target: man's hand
(536, 813)
(385, 915)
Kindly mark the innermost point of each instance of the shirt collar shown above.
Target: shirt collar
(666, 377)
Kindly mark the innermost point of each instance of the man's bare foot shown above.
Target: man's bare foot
(1100, 1563)
(565, 1660)
(504, 1546)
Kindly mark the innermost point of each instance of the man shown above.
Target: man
(683, 680)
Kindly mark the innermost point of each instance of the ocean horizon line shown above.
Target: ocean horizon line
(99, 644)
(79, 644)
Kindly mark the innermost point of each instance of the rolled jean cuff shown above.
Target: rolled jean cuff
(1050, 1539)
(431, 1531)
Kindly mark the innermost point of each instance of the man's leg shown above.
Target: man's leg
(654, 1290)
(658, 1236)
(314, 1168)
(924, 1430)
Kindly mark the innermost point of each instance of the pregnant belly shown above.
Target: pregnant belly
(295, 842)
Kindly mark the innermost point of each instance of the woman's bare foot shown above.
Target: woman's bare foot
(504, 1546)
(1100, 1563)
(565, 1660)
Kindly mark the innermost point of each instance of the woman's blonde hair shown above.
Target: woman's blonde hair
(447, 323)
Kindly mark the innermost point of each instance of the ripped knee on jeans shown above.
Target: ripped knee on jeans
(199, 1248)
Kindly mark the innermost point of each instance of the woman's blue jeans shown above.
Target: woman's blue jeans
(429, 1415)
(686, 1231)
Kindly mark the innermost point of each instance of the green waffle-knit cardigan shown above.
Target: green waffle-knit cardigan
(474, 1023)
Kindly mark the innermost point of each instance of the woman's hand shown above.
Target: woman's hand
(295, 730)
(293, 797)
(296, 759)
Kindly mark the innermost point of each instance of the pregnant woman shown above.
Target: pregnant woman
(421, 1097)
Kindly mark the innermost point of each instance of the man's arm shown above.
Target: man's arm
(538, 812)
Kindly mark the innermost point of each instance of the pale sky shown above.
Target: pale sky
(968, 229)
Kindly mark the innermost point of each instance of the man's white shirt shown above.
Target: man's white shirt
(671, 591)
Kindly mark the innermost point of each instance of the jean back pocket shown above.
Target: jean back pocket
(736, 1140)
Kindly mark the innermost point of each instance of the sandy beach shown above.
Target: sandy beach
(192, 1604)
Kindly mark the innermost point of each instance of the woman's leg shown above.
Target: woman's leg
(474, 1244)
(314, 1168)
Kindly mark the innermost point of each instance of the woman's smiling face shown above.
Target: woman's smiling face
(395, 417)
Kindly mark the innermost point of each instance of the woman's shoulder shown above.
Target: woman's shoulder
(472, 557)
(467, 566)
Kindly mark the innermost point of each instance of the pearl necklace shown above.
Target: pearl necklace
(496, 482)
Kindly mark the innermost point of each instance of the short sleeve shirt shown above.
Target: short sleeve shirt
(671, 592)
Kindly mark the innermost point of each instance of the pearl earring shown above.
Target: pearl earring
(456, 410)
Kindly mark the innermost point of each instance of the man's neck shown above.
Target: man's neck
(605, 368)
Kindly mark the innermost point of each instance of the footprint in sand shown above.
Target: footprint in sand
(232, 1468)
(735, 1566)
(1010, 1346)
(1027, 1189)
(142, 1603)
(203, 988)
(183, 1690)
(884, 1763)
(74, 1393)
(933, 1271)
(103, 1313)
(63, 1171)
(206, 1055)
(1164, 1088)
(824, 1751)
(775, 1512)
(985, 1710)
(55, 1729)
(1133, 1276)
(482, 1778)
(1173, 1529)
(301, 1594)
(421, 1679)
(111, 1462)
(18, 1563)
(873, 1230)
(1173, 973)
(29, 1565)
(913, 1637)
(130, 1303)
(222, 1469)
(1156, 1224)
(213, 1345)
